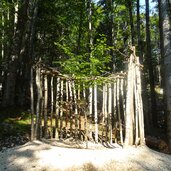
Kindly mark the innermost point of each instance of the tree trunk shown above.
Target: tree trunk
(17, 74)
(144, 84)
(14, 57)
(131, 21)
(129, 105)
(150, 67)
(167, 61)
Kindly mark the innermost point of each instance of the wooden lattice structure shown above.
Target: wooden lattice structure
(110, 111)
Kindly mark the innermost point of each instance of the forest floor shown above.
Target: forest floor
(70, 155)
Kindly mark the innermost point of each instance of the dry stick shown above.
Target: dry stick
(95, 113)
(90, 110)
(119, 112)
(76, 110)
(57, 108)
(32, 105)
(110, 111)
(46, 103)
(114, 109)
(52, 105)
(71, 108)
(61, 109)
(141, 115)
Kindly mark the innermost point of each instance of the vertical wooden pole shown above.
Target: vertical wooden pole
(95, 113)
(122, 94)
(129, 105)
(103, 106)
(52, 106)
(37, 130)
(61, 108)
(103, 111)
(76, 110)
(110, 111)
(136, 111)
(71, 106)
(106, 112)
(57, 108)
(32, 105)
(79, 113)
(67, 103)
(85, 116)
(119, 112)
(114, 109)
(46, 107)
(41, 103)
(90, 110)
(141, 115)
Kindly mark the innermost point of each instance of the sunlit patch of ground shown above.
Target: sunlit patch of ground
(59, 156)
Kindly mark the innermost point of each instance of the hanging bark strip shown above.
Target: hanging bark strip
(32, 105)
(95, 113)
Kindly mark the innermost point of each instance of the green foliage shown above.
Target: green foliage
(90, 64)
(14, 122)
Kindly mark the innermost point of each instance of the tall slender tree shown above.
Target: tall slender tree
(166, 40)
(130, 8)
(150, 66)
(18, 60)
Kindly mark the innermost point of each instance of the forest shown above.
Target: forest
(85, 40)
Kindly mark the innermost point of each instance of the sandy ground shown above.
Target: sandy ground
(72, 156)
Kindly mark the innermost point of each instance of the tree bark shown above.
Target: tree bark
(18, 63)
(167, 61)
(131, 21)
(150, 67)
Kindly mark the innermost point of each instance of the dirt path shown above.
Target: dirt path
(59, 156)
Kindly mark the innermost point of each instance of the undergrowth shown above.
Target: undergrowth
(14, 121)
